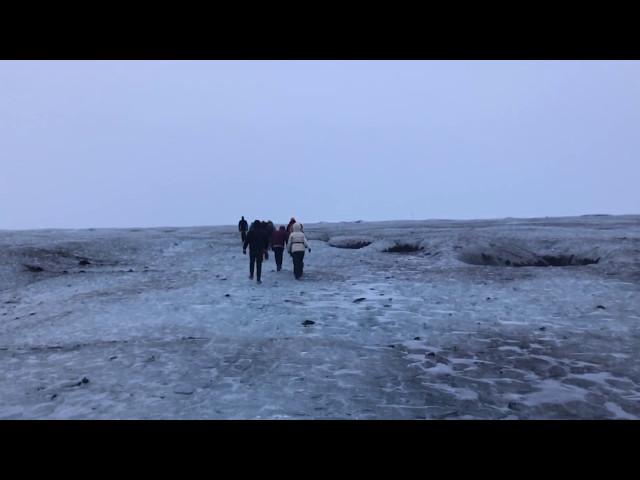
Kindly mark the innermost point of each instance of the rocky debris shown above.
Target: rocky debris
(446, 415)
(542, 329)
(416, 338)
(33, 268)
(184, 391)
(286, 300)
(113, 358)
(84, 381)
(358, 300)
(403, 248)
(227, 295)
(441, 359)
(308, 322)
(564, 260)
(84, 262)
(514, 406)
(601, 307)
(53, 396)
(349, 242)
(557, 371)
(514, 255)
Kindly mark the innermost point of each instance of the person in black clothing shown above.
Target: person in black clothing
(265, 227)
(258, 242)
(242, 227)
(270, 227)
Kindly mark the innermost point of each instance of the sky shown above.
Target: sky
(93, 144)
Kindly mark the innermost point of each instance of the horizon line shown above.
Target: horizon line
(326, 222)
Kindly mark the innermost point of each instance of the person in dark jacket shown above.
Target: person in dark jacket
(258, 242)
(291, 222)
(264, 225)
(290, 226)
(279, 239)
(270, 228)
(242, 227)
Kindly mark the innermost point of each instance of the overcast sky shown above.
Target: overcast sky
(146, 143)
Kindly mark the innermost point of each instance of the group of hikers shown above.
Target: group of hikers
(262, 236)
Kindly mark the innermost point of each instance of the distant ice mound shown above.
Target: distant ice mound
(349, 242)
(320, 236)
(512, 255)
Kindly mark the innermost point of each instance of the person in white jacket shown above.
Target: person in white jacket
(296, 247)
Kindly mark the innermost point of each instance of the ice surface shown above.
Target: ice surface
(164, 323)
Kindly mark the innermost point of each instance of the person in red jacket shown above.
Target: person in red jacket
(279, 239)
